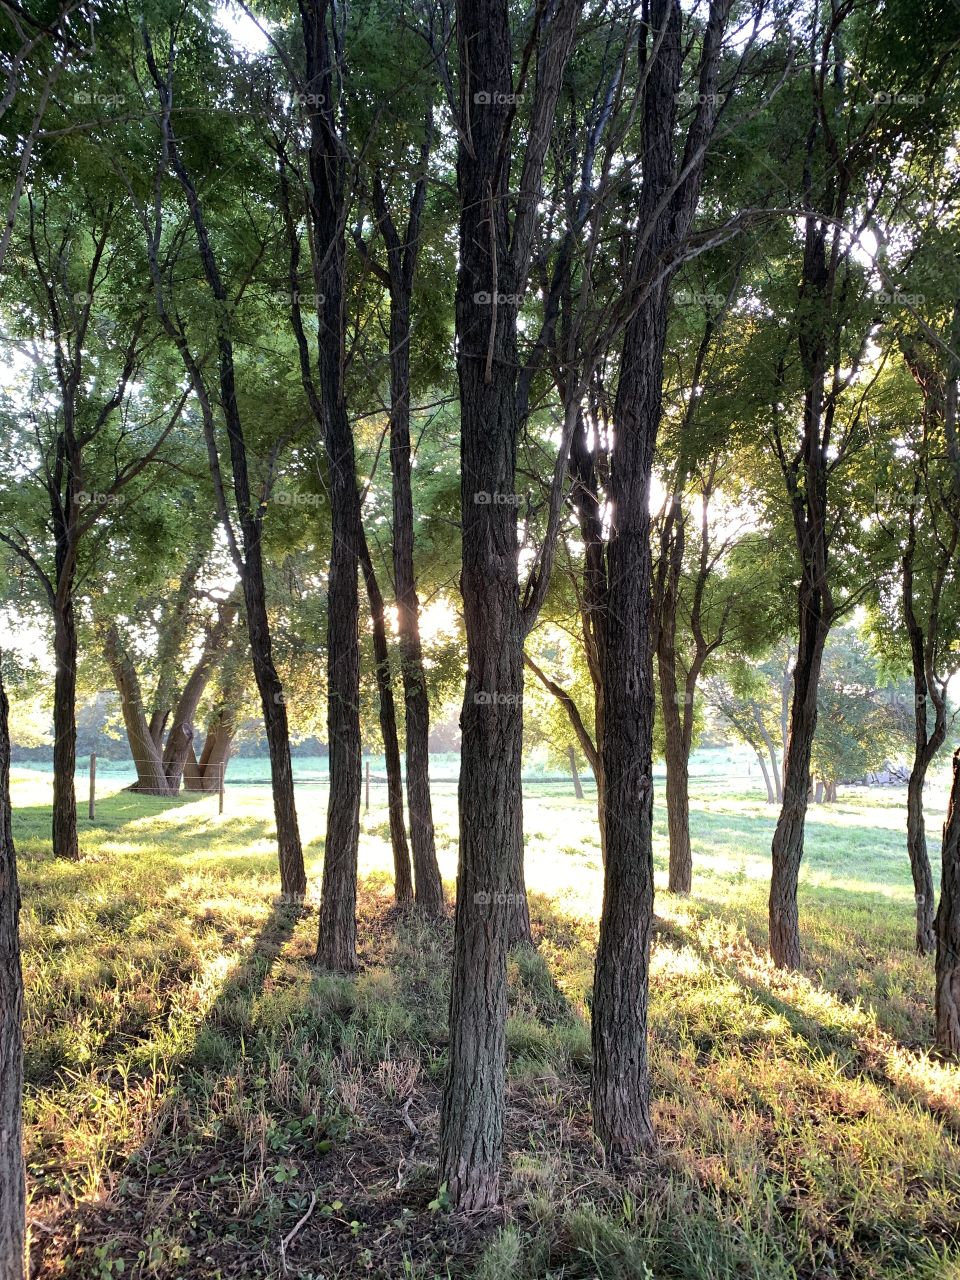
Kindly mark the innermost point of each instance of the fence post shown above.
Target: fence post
(92, 805)
(367, 810)
(220, 786)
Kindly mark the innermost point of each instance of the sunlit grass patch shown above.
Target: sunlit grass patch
(193, 1079)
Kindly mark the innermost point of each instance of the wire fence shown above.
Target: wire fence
(147, 777)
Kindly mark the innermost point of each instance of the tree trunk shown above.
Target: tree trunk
(489, 793)
(182, 729)
(680, 872)
(402, 878)
(919, 859)
(787, 849)
(293, 881)
(818, 792)
(926, 743)
(12, 1190)
(328, 199)
(204, 774)
(680, 868)
(771, 795)
(947, 926)
(621, 1079)
(65, 841)
(574, 773)
(147, 760)
(402, 257)
(621, 1075)
(293, 877)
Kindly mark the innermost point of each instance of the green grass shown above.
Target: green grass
(194, 1084)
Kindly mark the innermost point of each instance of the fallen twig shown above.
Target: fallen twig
(292, 1234)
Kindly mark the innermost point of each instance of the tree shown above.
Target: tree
(86, 430)
(246, 550)
(947, 926)
(496, 240)
(12, 1188)
(668, 201)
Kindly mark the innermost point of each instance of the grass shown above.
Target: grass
(195, 1085)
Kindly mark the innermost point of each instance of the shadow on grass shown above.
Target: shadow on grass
(836, 1031)
(89, 1238)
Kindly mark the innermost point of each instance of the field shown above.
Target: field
(202, 1102)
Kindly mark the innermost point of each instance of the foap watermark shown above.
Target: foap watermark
(86, 498)
(492, 98)
(498, 899)
(484, 299)
(93, 98)
(698, 298)
(288, 498)
(690, 98)
(484, 499)
(898, 99)
(309, 100)
(484, 698)
(894, 298)
(287, 298)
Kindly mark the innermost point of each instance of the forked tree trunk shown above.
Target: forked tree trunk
(947, 925)
(12, 1191)
(65, 840)
(147, 760)
(181, 732)
(402, 877)
(204, 774)
(337, 941)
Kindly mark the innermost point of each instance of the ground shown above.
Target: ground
(203, 1103)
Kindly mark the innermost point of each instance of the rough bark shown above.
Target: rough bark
(493, 269)
(621, 1079)
(402, 876)
(947, 926)
(12, 1189)
(65, 841)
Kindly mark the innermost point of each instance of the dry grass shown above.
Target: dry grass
(194, 1084)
